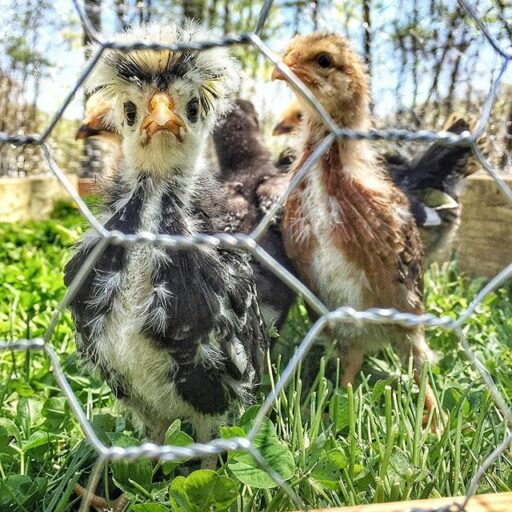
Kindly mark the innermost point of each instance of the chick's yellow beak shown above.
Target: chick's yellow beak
(85, 131)
(94, 122)
(91, 126)
(162, 117)
(291, 59)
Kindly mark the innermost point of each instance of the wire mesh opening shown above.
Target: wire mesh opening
(30, 143)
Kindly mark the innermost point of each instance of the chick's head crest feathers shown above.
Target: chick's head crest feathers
(122, 71)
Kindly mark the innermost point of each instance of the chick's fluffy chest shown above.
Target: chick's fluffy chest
(124, 348)
(311, 218)
(353, 239)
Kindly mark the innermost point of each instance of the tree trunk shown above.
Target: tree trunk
(120, 7)
(402, 49)
(37, 66)
(367, 42)
(316, 7)
(92, 162)
(144, 10)
(226, 25)
(367, 35)
(93, 12)
(415, 60)
(470, 71)
(506, 157)
(212, 13)
(193, 9)
(461, 47)
(438, 64)
(297, 17)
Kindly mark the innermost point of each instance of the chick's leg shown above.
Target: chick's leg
(144, 421)
(420, 354)
(351, 359)
(206, 428)
(430, 403)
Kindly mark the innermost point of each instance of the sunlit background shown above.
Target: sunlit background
(426, 59)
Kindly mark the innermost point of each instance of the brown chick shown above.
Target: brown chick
(290, 119)
(94, 125)
(288, 125)
(347, 228)
(430, 179)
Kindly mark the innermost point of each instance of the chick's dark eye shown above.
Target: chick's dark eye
(193, 110)
(324, 60)
(130, 112)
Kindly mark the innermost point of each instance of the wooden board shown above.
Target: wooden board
(484, 241)
(484, 503)
(31, 197)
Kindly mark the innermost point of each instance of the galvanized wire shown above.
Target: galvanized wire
(250, 244)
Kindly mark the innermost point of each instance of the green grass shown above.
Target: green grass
(333, 446)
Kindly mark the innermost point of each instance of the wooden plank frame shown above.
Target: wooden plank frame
(484, 239)
(501, 502)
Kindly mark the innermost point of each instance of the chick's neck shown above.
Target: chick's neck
(353, 115)
(180, 175)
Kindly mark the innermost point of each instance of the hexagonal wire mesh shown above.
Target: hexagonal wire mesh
(250, 243)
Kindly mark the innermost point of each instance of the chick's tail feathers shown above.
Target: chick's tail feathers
(441, 167)
(472, 164)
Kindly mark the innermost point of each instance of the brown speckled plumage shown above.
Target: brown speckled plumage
(430, 179)
(347, 228)
(373, 236)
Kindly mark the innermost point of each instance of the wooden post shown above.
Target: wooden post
(484, 241)
(484, 503)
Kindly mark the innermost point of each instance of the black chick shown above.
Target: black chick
(175, 333)
(430, 180)
(253, 183)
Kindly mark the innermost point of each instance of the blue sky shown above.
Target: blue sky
(63, 47)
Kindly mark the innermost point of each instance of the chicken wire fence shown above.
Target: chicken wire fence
(39, 142)
(43, 44)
